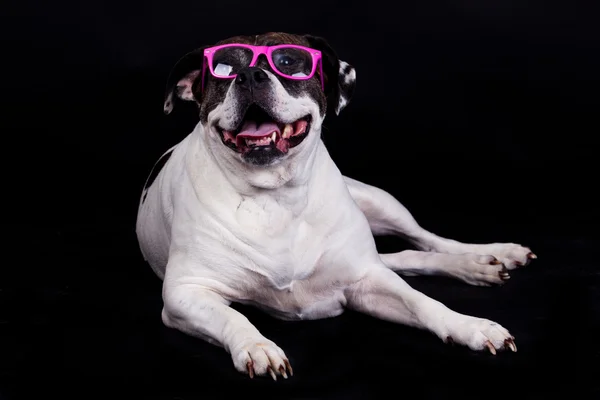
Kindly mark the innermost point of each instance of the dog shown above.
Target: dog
(250, 208)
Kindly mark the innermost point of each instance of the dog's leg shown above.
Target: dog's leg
(471, 268)
(202, 313)
(383, 294)
(387, 216)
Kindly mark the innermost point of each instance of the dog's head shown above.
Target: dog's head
(262, 98)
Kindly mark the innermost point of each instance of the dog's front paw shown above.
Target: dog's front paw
(480, 334)
(475, 269)
(260, 357)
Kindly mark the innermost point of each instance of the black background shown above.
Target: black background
(481, 117)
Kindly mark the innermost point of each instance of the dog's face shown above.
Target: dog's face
(260, 117)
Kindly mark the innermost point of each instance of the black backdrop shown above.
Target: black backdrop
(480, 117)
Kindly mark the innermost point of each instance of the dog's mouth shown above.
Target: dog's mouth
(260, 132)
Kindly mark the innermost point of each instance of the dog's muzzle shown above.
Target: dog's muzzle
(259, 133)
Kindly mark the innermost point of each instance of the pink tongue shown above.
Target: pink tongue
(251, 130)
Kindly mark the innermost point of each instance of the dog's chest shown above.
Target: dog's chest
(264, 216)
(289, 270)
(285, 245)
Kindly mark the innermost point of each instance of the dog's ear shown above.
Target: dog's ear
(184, 78)
(339, 76)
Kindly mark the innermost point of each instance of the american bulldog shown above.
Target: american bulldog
(250, 208)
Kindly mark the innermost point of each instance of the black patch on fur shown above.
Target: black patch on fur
(347, 89)
(215, 89)
(263, 155)
(187, 64)
(347, 69)
(335, 85)
(158, 166)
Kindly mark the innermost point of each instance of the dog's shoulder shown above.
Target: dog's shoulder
(158, 165)
(175, 152)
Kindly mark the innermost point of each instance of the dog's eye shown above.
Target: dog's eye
(292, 61)
(230, 60)
(285, 61)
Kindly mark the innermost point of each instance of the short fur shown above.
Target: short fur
(292, 236)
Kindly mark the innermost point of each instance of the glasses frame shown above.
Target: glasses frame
(257, 51)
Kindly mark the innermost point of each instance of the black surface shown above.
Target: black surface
(484, 127)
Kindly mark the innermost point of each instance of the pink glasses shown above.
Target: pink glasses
(287, 60)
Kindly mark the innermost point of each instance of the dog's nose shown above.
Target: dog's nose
(251, 77)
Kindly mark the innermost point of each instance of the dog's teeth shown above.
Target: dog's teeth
(274, 136)
(287, 131)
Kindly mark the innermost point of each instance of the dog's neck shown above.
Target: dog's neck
(289, 180)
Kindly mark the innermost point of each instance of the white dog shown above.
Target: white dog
(250, 208)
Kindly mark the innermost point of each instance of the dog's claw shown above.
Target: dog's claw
(250, 367)
(491, 347)
(272, 373)
(504, 275)
(511, 345)
(289, 367)
(282, 372)
(531, 256)
(495, 261)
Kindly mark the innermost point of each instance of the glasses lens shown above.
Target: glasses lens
(230, 60)
(291, 61)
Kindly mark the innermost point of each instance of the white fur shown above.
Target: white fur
(342, 103)
(296, 240)
(350, 76)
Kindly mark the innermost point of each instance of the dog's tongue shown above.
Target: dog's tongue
(250, 129)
